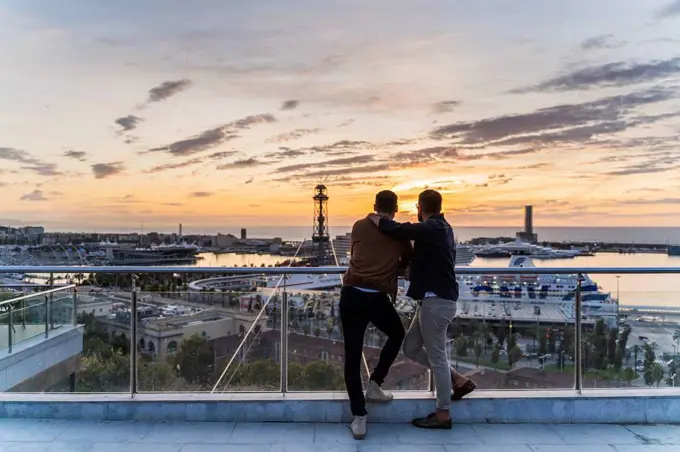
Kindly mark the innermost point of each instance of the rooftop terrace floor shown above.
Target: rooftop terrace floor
(23, 435)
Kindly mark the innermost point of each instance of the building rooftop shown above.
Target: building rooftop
(124, 436)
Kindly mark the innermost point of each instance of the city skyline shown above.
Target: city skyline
(227, 115)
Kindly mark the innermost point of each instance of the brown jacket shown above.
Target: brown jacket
(376, 259)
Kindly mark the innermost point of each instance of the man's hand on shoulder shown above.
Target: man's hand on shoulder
(374, 218)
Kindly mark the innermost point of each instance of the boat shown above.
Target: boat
(178, 253)
(555, 292)
(674, 250)
(520, 248)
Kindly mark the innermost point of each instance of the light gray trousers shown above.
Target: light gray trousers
(425, 343)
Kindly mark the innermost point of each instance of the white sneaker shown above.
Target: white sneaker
(358, 427)
(374, 393)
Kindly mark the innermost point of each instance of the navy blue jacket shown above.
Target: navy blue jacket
(434, 256)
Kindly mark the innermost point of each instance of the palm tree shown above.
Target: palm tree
(676, 335)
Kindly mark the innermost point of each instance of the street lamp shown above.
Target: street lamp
(618, 301)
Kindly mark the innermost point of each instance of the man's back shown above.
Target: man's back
(376, 258)
(434, 256)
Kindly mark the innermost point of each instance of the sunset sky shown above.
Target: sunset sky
(219, 113)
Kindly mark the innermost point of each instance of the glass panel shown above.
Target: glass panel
(105, 362)
(28, 318)
(316, 353)
(514, 331)
(4, 330)
(61, 309)
(315, 342)
(188, 338)
(639, 347)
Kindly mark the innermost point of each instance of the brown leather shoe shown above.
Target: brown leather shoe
(459, 393)
(431, 422)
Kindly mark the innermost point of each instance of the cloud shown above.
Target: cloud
(445, 106)
(597, 42)
(426, 154)
(250, 181)
(200, 194)
(197, 143)
(552, 119)
(18, 155)
(286, 153)
(670, 10)
(104, 170)
(212, 137)
(338, 172)
(172, 166)
(290, 136)
(651, 201)
(243, 163)
(167, 89)
(341, 147)
(44, 169)
(360, 159)
(290, 105)
(248, 121)
(78, 155)
(35, 195)
(128, 122)
(608, 75)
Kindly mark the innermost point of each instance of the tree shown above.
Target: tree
(306, 329)
(628, 375)
(501, 331)
(158, 376)
(322, 376)
(657, 374)
(514, 355)
(479, 349)
(109, 372)
(636, 352)
(496, 355)
(676, 335)
(195, 360)
(650, 355)
(542, 345)
(317, 331)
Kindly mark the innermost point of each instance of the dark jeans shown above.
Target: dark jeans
(357, 309)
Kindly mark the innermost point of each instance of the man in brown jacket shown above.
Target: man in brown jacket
(376, 259)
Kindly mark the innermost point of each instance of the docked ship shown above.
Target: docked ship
(180, 253)
(520, 248)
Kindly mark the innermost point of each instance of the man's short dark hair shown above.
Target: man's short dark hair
(386, 202)
(430, 202)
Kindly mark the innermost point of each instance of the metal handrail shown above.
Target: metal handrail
(37, 294)
(336, 270)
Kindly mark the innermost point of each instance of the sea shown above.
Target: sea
(642, 235)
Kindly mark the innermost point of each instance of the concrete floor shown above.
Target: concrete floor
(18, 435)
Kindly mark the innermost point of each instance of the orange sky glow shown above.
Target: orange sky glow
(221, 114)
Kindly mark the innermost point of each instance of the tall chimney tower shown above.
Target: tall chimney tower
(528, 220)
(528, 235)
(180, 230)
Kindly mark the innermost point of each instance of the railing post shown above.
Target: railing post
(51, 309)
(10, 327)
(284, 337)
(578, 346)
(74, 313)
(133, 340)
(47, 316)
